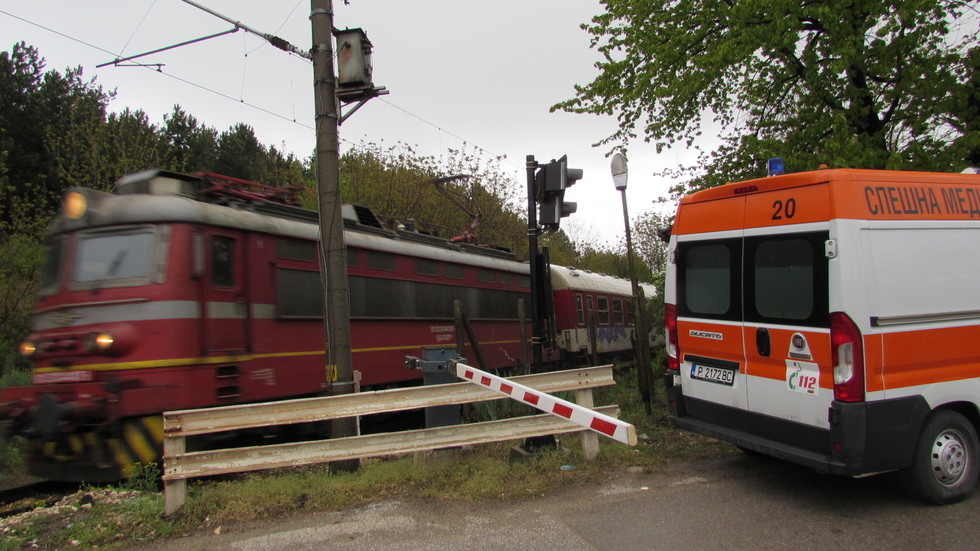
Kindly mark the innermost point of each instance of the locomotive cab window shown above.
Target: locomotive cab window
(115, 258)
(222, 261)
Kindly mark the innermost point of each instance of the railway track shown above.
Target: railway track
(46, 493)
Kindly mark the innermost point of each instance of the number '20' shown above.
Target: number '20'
(784, 210)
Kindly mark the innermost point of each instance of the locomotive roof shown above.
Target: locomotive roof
(107, 209)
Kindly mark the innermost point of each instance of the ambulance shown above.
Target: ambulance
(832, 319)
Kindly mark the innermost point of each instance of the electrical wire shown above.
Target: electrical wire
(138, 27)
(251, 105)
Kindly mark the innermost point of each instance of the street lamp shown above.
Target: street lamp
(642, 336)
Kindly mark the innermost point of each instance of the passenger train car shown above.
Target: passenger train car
(187, 291)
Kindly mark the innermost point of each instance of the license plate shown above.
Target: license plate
(713, 374)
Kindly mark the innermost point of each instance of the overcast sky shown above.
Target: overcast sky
(483, 73)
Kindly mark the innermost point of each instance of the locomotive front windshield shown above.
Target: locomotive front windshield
(117, 258)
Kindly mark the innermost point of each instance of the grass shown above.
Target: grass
(120, 517)
(11, 461)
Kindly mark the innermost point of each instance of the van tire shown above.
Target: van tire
(944, 462)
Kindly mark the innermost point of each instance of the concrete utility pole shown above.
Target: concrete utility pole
(333, 248)
(641, 332)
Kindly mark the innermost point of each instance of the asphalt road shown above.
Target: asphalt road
(734, 502)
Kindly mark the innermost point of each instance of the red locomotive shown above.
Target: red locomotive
(195, 291)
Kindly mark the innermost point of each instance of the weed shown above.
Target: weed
(15, 377)
(145, 477)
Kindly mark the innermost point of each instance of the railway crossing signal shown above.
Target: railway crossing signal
(546, 185)
(550, 183)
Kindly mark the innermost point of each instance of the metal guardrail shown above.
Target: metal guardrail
(180, 465)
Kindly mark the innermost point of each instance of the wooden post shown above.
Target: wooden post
(174, 491)
(590, 440)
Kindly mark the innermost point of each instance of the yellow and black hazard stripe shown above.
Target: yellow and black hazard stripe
(101, 455)
(140, 441)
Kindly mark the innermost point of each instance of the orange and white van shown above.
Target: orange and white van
(832, 318)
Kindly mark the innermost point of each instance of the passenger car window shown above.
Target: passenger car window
(603, 310)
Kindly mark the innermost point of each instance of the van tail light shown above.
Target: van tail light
(848, 357)
(670, 324)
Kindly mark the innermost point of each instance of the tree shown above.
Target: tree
(862, 83)
(193, 146)
(40, 112)
(647, 242)
(240, 154)
(398, 183)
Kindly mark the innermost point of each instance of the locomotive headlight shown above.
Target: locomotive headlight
(99, 342)
(28, 348)
(74, 205)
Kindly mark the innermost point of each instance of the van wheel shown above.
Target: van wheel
(944, 462)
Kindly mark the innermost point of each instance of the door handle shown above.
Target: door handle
(762, 342)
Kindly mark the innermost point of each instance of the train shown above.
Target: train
(183, 291)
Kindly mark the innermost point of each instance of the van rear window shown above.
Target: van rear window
(707, 278)
(786, 279)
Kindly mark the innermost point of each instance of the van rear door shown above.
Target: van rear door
(787, 335)
(708, 260)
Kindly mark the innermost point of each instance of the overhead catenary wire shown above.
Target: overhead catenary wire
(298, 53)
(271, 38)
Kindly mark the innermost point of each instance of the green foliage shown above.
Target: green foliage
(11, 459)
(145, 477)
(444, 196)
(192, 146)
(865, 83)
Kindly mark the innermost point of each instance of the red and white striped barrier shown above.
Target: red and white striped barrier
(582, 416)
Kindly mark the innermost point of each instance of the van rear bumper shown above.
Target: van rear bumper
(863, 438)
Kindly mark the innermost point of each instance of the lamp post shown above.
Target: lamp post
(641, 335)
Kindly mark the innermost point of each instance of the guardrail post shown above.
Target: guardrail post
(174, 491)
(590, 440)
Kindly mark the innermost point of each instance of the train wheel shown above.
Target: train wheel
(944, 463)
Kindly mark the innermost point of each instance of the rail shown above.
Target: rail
(180, 465)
